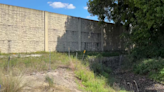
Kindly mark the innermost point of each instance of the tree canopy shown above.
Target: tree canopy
(146, 18)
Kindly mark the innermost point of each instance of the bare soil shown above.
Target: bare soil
(63, 81)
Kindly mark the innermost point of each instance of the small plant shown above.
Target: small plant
(19, 56)
(49, 80)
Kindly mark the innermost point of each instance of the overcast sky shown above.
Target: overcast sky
(77, 8)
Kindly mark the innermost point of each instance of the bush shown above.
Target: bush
(147, 52)
(154, 68)
(100, 69)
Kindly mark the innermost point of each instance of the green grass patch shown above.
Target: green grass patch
(91, 82)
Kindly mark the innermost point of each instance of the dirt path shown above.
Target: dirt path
(137, 83)
(63, 81)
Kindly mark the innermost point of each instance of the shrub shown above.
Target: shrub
(151, 67)
(100, 69)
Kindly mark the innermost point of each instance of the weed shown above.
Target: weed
(49, 80)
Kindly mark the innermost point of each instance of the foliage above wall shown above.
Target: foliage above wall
(143, 19)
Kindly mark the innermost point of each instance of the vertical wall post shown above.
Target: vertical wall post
(102, 38)
(79, 34)
(46, 31)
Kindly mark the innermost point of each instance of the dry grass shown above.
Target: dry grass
(11, 83)
(35, 64)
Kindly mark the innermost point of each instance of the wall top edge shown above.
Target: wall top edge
(55, 13)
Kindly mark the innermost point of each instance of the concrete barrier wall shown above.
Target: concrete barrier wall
(21, 29)
(29, 30)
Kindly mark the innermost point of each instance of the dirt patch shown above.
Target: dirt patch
(136, 83)
(63, 81)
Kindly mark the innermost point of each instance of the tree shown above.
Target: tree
(145, 16)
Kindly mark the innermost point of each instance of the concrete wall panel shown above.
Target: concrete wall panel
(29, 30)
(21, 27)
(64, 31)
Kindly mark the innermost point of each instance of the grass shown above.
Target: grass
(93, 83)
(32, 64)
(11, 83)
(95, 77)
(91, 79)
(97, 54)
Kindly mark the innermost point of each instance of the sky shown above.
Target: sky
(77, 8)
